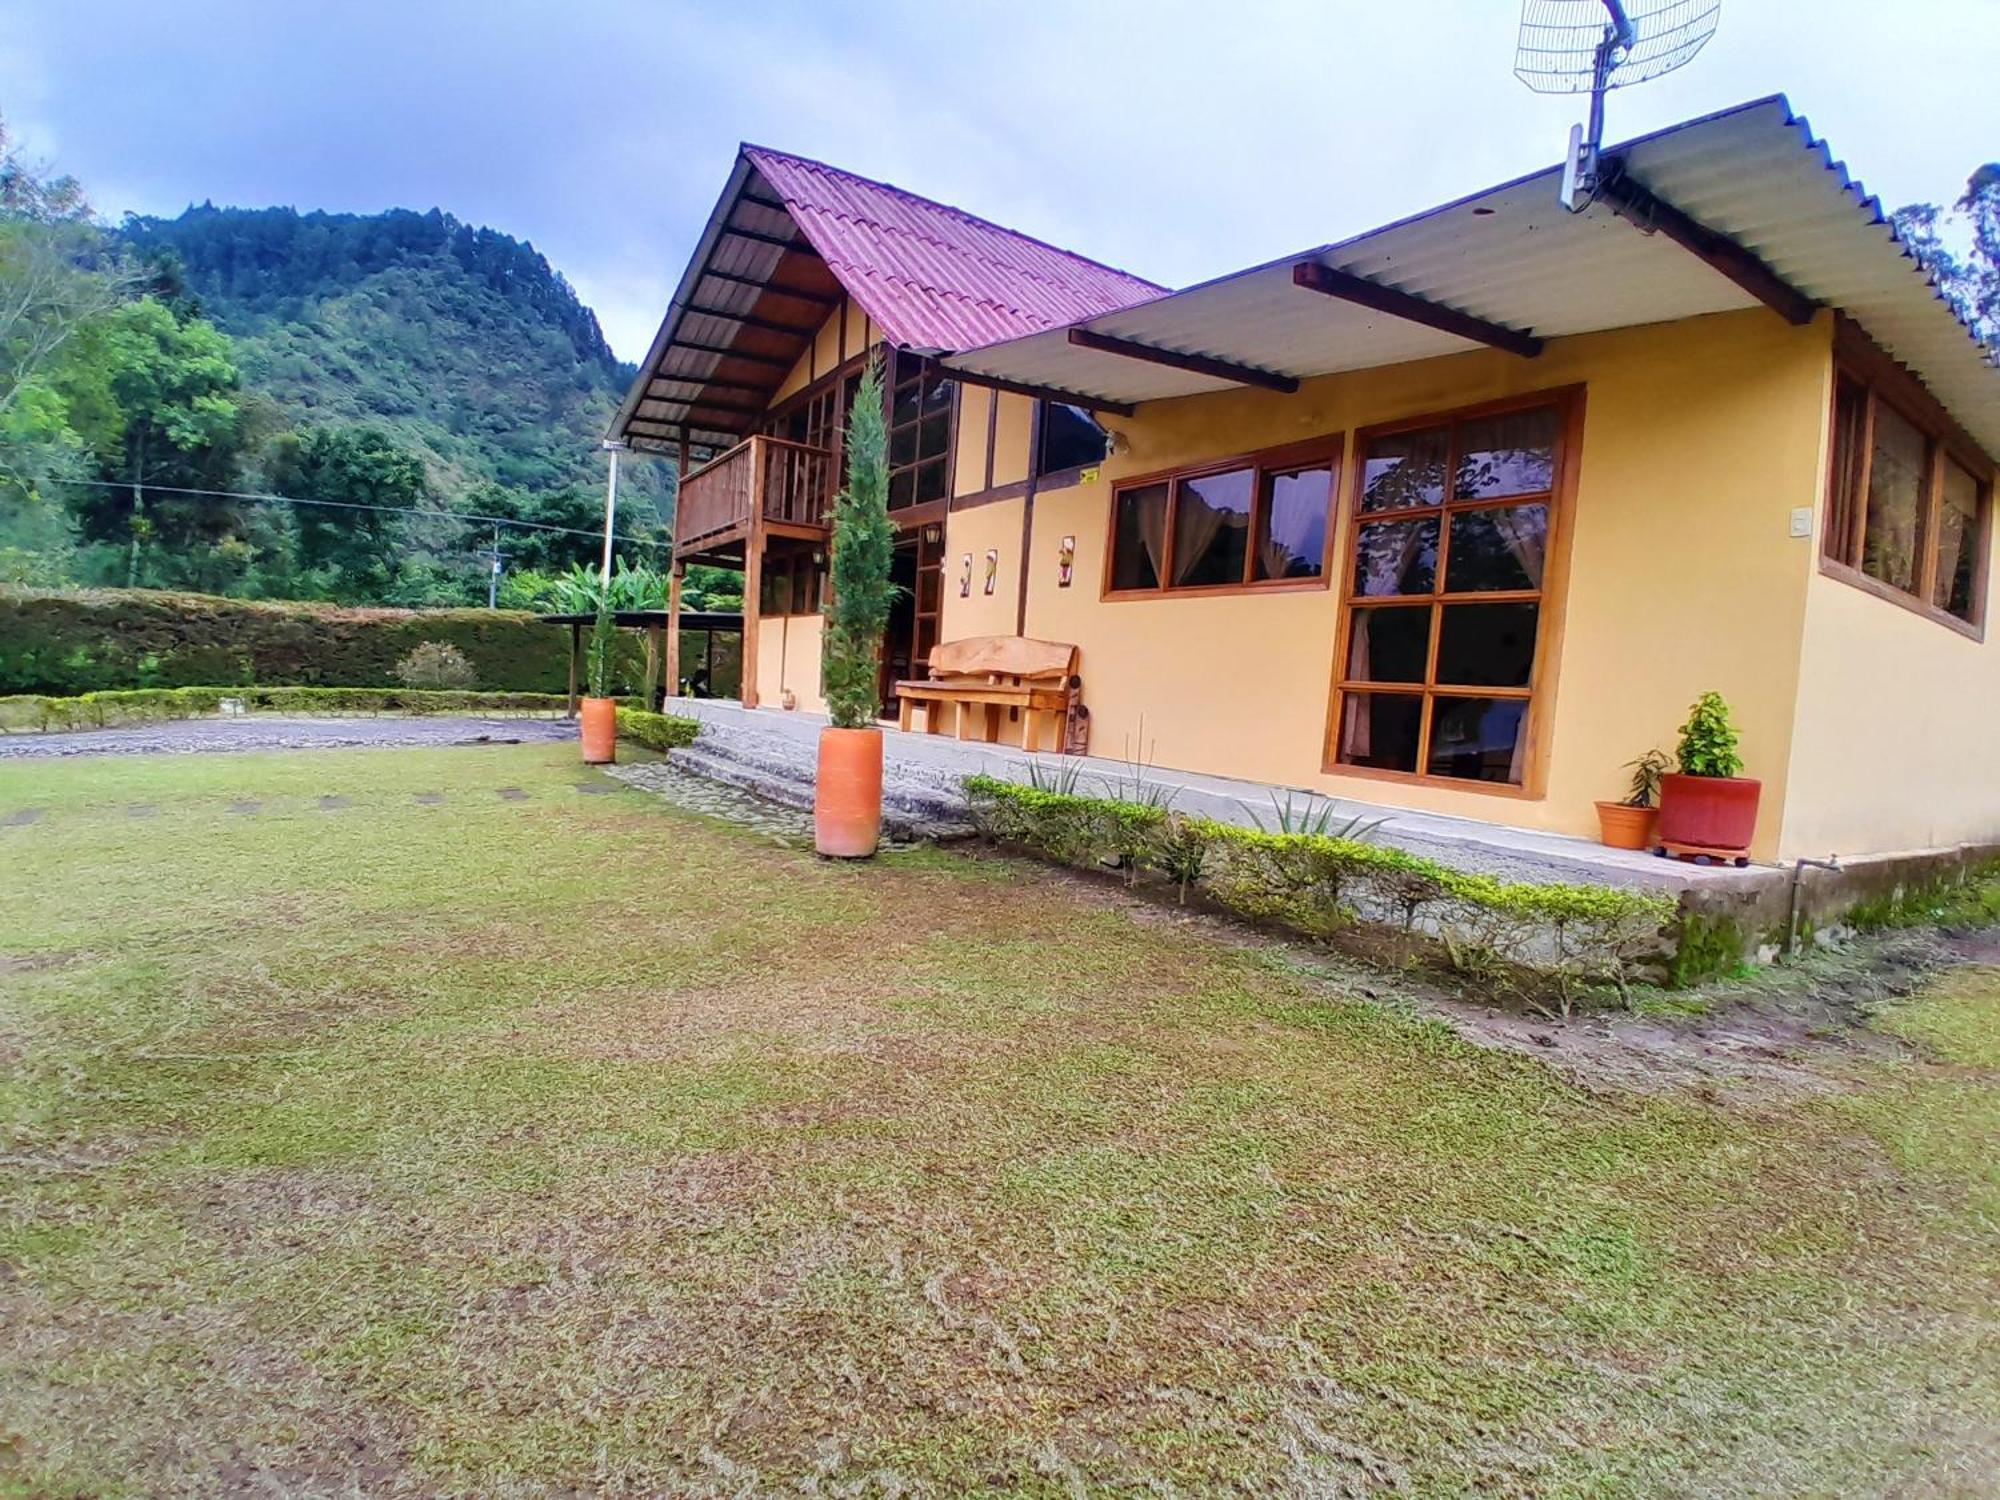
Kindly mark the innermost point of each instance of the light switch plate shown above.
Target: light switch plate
(1802, 520)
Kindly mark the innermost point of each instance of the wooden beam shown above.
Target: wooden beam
(673, 673)
(776, 288)
(1039, 392)
(727, 353)
(1655, 215)
(762, 202)
(703, 380)
(1359, 290)
(1198, 364)
(759, 237)
(575, 665)
(749, 320)
(702, 402)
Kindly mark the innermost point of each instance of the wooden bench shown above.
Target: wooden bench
(977, 677)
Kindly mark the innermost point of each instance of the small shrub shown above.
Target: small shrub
(436, 664)
(1709, 739)
(1567, 938)
(662, 732)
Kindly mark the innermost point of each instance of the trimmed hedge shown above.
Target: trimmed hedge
(70, 643)
(158, 705)
(1560, 938)
(656, 731)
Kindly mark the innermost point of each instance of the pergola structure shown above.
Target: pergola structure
(662, 630)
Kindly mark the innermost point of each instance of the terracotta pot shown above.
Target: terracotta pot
(847, 798)
(1620, 825)
(599, 720)
(1709, 812)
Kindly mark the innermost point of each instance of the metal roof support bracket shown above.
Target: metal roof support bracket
(1197, 364)
(1386, 299)
(1651, 215)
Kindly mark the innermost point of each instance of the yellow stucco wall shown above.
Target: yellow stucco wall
(1699, 439)
(1010, 439)
(788, 649)
(824, 354)
(1897, 742)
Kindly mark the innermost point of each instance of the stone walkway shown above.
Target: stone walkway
(276, 732)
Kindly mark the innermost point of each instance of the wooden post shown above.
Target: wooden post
(575, 663)
(656, 643)
(753, 573)
(673, 682)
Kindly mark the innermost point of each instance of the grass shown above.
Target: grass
(579, 1144)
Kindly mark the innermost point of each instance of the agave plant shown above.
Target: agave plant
(1318, 817)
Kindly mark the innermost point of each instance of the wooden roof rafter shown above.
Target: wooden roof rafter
(1316, 276)
(1198, 364)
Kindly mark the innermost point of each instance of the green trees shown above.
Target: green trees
(864, 543)
(1970, 282)
(351, 541)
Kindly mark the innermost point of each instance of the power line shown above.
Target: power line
(397, 510)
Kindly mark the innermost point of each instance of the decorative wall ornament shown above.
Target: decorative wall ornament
(1065, 562)
(992, 568)
(965, 577)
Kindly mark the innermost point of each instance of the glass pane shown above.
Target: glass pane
(1292, 543)
(1405, 469)
(902, 489)
(934, 435)
(1380, 730)
(1958, 543)
(1212, 528)
(903, 406)
(1895, 501)
(937, 394)
(1511, 454)
(1390, 644)
(1487, 645)
(930, 480)
(1850, 425)
(1071, 438)
(1396, 557)
(1479, 739)
(928, 581)
(902, 447)
(1139, 538)
(1497, 549)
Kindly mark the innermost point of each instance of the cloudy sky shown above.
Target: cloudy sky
(1176, 138)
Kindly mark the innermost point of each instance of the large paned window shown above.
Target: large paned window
(1260, 521)
(793, 584)
(1908, 503)
(1444, 595)
(920, 412)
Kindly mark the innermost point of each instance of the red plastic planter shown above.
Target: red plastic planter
(1710, 813)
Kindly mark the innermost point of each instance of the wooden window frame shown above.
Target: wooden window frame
(1328, 452)
(941, 502)
(1859, 360)
(1552, 598)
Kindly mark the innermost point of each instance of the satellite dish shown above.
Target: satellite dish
(1594, 46)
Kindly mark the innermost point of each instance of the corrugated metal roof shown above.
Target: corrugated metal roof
(1512, 255)
(933, 276)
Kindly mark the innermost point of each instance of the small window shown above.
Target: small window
(1071, 439)
(920, 415)
(1252, 525)
(1905, 517)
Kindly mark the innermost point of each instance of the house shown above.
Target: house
(1457, 515)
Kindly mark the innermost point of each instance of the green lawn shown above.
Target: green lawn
(578, 1145)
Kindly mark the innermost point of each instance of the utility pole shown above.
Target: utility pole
(610, 505)
(493, 577)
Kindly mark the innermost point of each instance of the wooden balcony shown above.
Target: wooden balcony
(790, 485)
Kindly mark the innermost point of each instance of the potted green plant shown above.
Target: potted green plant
(1707, 810)
(1628, 822)
(847, 790)
(598, 713)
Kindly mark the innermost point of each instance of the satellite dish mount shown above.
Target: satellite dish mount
(1594, 46)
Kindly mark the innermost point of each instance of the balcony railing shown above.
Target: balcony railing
(794, 483)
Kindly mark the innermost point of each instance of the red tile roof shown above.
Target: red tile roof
(931, 276)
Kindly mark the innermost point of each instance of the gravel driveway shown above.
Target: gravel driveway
(273, 732)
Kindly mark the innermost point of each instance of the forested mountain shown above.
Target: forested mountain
(419, 391)
(462, 343)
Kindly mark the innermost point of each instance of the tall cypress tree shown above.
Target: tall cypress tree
(864, 542)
